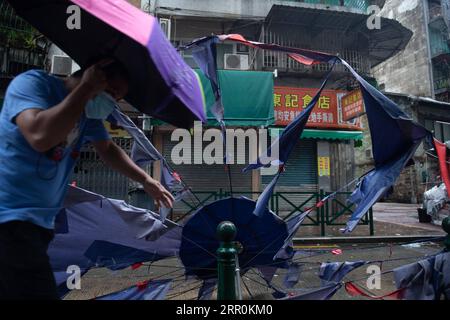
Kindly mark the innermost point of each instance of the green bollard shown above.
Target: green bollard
(226, 262)
(446, 227)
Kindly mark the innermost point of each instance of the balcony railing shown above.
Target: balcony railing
(441, 84)
(438, 43)
(14, 61)
(9, 20)
(281, 61)
(19, 51)
(355, 4)
(439, 15)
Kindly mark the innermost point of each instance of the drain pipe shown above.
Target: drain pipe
(426, 15)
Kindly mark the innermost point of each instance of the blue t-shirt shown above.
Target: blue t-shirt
(33, 184)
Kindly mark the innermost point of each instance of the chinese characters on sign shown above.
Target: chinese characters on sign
(352, 105)
(115, 131)
(323, 164)
(290, 102)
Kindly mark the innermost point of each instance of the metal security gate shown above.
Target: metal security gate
(206, 180)
(299, 183)
(92, 174)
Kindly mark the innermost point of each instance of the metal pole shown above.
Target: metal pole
(226, 262)
(371, 226)
(322, 214)
(446, 227)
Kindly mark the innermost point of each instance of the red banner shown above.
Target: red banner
(290, 102)
(353, 290)
(352, 105)
(441, 150)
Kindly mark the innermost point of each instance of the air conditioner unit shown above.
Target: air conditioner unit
(61, 65)
(236, 61)
(165, 26)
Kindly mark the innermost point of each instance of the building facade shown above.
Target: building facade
(21, 47)
(422, 68)
(417, 79)
(324, 157)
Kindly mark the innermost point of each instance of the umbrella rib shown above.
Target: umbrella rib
(196, 244)
(247, 288)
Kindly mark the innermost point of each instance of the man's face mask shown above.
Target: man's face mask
(100, 107)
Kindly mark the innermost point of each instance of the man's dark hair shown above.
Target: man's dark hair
(112, 70)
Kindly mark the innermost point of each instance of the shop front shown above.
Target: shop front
(324, 155)
(247, 97)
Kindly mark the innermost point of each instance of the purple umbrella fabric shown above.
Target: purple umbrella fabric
(323, 293)
(108, 233)
(427, 279)
(336, 271)
(292, 276)
(142, 152)
(161, 83)
(148, 290)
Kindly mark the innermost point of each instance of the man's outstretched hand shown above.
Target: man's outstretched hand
(160, 194)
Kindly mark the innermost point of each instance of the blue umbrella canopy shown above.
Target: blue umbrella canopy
(259, 237)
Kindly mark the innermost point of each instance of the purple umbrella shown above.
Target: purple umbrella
(162, 84)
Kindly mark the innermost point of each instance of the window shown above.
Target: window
(441, 130)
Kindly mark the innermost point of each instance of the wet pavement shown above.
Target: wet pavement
(403, 215)
(101, 281)
(390, 220)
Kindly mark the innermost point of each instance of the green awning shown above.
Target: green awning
(324, 134)
(247, 98)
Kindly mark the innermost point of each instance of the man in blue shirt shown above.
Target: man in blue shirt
(43, 125)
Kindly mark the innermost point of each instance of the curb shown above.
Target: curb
(368, 239)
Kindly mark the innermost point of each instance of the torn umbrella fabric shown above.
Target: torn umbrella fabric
(291, 134)
(108, 233)
(143, 152)
(336, 271)
(293, 224)
(204, 52)
(284, 146)
(267, 272)
(426, 279)
(171, 181)
(374, 185)
(395, 138)
(323, 293)
(147, 290)
(292, 276)
(307, 57)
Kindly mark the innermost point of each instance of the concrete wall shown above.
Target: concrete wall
(411, 184)
(251, 9)
(408, 71)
